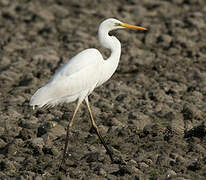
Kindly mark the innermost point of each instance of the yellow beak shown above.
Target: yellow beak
(133, 27)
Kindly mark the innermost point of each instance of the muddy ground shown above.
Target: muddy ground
(151, 113)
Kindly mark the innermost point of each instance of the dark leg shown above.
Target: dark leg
(97, 131)
(68, 132)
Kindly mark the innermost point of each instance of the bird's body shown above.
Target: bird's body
(72, 81)
(82, 74)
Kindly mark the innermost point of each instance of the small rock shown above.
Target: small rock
(150, 39)
(181, 160)
(199, 148)
(136, 171)
(56, 131)
(101, 171)
(59, 11)
(26, 134)
(191, 112)
(103, 129)
(51, 124)
(116, 123)
(139, 120)
(32, 123)
(46, 14)
(143, 165)
(177, 124)
(37, 145)
(132, 162)
(38, 142)
(165, 40)
(169, 174)
(92, 157)
(2, 143)
(1, 131)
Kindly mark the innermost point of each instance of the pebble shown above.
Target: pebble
(102, 172)
(177, 124)
(169, 174)
(39, 142)
(143, 165)
(139, 120)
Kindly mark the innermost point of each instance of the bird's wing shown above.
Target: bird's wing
(77, 63)
(78, 76)
(84, 79)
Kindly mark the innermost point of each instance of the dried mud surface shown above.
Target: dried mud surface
(151, 113)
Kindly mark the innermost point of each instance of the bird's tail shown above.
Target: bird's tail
(40, 98)
(51, 95)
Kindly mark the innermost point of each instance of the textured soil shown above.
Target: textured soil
(151, 113)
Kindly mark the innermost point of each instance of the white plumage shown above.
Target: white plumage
(71, 81)
(82, 74)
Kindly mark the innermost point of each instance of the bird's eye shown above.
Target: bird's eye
(117, 24)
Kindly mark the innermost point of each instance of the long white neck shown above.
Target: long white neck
(112, 43)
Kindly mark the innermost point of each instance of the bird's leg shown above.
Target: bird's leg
(97, 131)
(68, 132)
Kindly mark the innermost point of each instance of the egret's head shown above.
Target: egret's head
(112, 24)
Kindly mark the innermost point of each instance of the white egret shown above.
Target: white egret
(82, 74)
